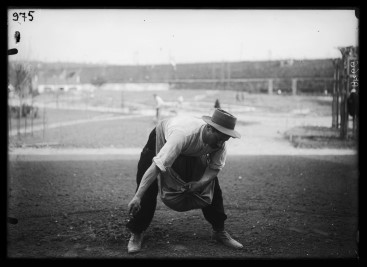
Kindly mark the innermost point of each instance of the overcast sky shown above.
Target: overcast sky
(118, 36)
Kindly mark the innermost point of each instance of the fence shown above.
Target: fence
(300, 85)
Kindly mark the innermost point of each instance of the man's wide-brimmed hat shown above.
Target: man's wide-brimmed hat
(223, 122)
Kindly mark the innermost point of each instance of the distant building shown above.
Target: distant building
(288, 62)
(54, 80)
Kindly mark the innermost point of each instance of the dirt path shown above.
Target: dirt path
(279, 207)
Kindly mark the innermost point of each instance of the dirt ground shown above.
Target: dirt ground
(278, 207)
(281, 204)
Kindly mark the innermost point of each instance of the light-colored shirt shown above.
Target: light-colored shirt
(184, 135)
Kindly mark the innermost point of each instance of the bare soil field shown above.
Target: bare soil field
(279, 207)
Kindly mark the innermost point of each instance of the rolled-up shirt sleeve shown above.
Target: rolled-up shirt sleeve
(169, 152)
(217, 159)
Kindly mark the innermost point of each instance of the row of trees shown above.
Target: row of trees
(22, 89)
(22, 86)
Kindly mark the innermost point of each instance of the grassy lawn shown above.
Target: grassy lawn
(120, 133)
(129, 133)
(319, 105)
(53, 115)
(319, 137)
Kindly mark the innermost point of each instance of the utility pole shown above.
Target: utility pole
(348, 55)
(334, 105)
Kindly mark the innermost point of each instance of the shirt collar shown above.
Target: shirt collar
(202, 133)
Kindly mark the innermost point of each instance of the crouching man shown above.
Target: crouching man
(181, 161)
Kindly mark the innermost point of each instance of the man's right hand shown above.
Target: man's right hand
(134, 206)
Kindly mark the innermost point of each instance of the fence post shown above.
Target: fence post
(344, 117)
(213, 76)
(294, 86)
(343, 107)
(44, 122)
(338, 86)
(228, 76)
(334, 114)
(270, 86)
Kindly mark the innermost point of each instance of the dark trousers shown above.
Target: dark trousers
(214, 213)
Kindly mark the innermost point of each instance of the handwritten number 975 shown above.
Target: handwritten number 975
(23, 14)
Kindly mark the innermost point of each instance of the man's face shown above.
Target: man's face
(216, 139)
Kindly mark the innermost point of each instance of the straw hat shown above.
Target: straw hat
(223, 122)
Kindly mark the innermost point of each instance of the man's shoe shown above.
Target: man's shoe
(224, 238)
(135, 242)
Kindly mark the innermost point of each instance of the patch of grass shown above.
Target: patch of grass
(120, 133)
(301, 142)
(319, 137)
(130, 133)
(54, 115)
(267, 103)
